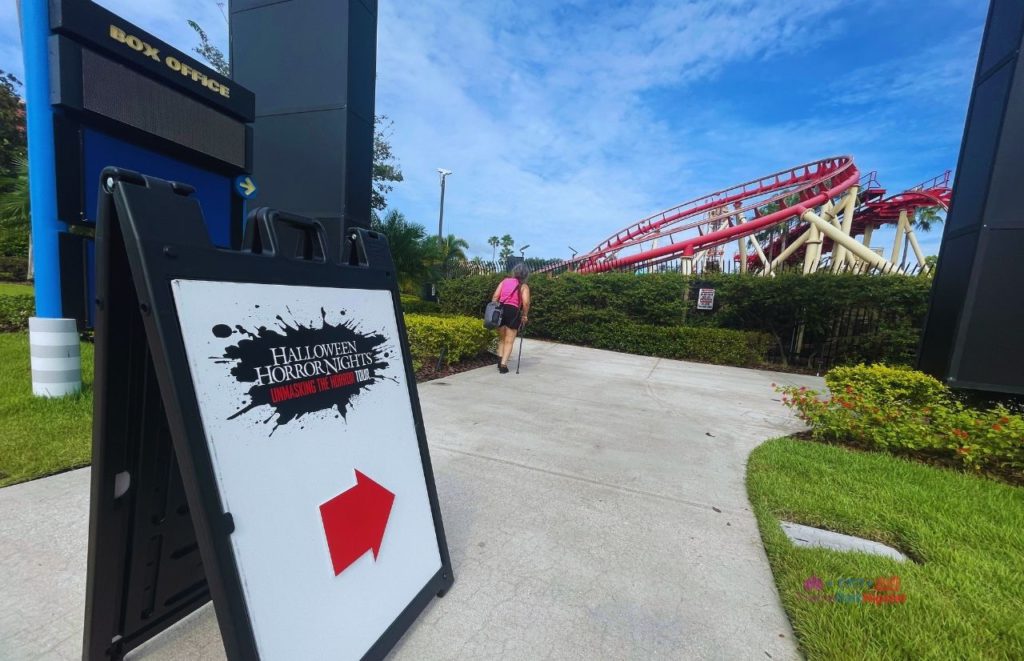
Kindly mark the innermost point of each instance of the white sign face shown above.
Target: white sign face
(305, 404)
(706, 299)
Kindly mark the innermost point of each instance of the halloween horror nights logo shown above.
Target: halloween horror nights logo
(292, 363)
(298, 369)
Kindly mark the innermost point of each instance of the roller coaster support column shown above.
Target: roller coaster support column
(788, 252)
(759, 250)
(811, 254)
(908, 227)
(742, 241)
(741, 219)
(686, 261)
(814, 243)
(897, 242)
(836, 234)
(868, 230)
(839, 252)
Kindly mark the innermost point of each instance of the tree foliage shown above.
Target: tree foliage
(386, 171)
(508, 245)
(446, 254)
(14, 217)
(12, 124)
(410, 248)
(493, 242)
(206, 50)
(14, 211)
(927, 217)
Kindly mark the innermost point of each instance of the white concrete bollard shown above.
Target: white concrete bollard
(56, 357)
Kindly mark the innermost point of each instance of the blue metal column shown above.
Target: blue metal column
(35, 31)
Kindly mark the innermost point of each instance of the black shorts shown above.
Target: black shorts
(510, 316)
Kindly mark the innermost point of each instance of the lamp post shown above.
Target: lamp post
(440, 218)
(522, 252)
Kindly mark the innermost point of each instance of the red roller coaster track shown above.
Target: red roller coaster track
(702, 226)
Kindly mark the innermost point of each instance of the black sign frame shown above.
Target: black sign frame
(151, 232)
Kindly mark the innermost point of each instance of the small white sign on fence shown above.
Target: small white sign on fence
(706, 299)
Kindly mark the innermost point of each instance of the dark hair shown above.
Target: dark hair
(521, 272)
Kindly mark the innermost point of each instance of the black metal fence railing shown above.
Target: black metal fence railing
(861, 334)
(733, 266)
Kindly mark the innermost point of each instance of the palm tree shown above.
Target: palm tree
(507, 244)
(926, 217)
(409, 247)
(14, 206)
(446, 254)
(493, 242)
(454, 249)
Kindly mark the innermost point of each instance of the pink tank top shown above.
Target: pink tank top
(509, 295)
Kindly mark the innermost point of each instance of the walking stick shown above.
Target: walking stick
(520, 358)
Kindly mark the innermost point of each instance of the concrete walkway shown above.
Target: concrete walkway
(605, 518)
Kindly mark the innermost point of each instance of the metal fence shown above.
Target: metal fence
(858, 334)
(732, 266)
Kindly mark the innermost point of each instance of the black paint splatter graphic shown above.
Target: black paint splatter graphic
(298, 369)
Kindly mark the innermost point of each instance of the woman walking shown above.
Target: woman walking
(514, 295)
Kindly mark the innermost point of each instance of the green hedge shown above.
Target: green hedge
(651, 299)
(15, 309)
(709, 345)
(892, 306)
(415, 305)
(455, 336)
(13, 268)
(459, 337)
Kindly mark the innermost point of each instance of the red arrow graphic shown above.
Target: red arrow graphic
(354, 521)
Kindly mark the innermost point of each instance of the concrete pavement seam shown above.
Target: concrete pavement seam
(579, 478)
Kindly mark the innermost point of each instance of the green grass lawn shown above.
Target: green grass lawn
(15, 289)
(40, 436)
(965, 598)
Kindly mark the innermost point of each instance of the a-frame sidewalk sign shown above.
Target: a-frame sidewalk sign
(257, 436)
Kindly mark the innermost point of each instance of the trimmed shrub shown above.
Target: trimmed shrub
(651, 299)
(457, 337)
(15, 309)
(905, 411)
(13, 268)
(415, 305)
(887, 385)
(469, 296)
(709, 345)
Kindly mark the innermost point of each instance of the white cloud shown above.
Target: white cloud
(548, 112)
(544, 114)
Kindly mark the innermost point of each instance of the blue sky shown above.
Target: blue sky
(564, 122)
